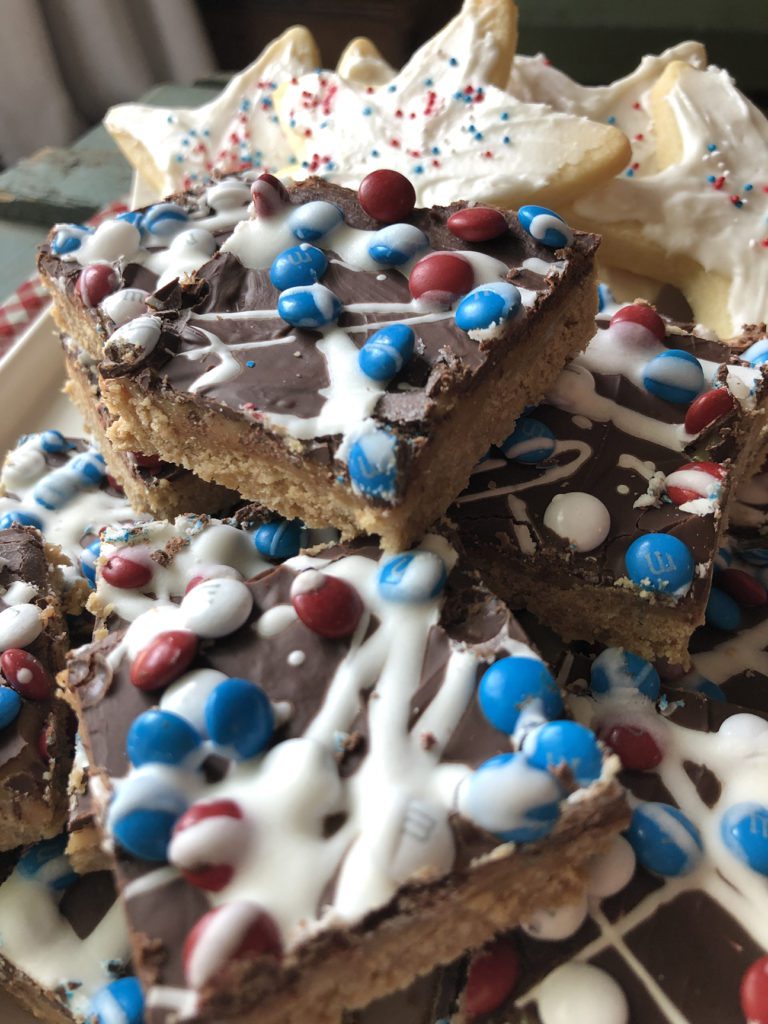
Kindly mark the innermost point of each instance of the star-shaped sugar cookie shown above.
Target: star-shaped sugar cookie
(445, 121)
(173, 148)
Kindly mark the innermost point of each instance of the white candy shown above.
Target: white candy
(225, 545)
(141, 334)
(22, 466)
(581, 994)
(580, 518)
(216, 608)
(19, 625)
(305, 774)
(195, 239)
(20, 592)
(609, 872)
(424, 841)
(228, 195)
(743, 727)
(124, 305)
(555, 925)
(110, 241)
(187, 696)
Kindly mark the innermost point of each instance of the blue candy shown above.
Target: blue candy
(143, 813)
(722, 611)
(372, 464)
(664, 839)
(674, 375)
(164, 220)
(386, 352)
(48, 863)
(56, 489)
(660, 562)
(10, 706)
(512, 683)
(512, 799)
(239, 717)
(90, 467)
(396, 244)
(301, 264)
(723, 558)
(281, 539)
(488, 306)
(710, 690)
(134, 217)
(411, 578)
(161, 737)
(545, 226)
(568, 743)
(605, 297)
(744, 829)
(313, 220)
(616, 670)
(120, 1002)
(69, 238)
(757, 353)
(17, 517)
(311, 305)
(88, 558)
(754, 556)
(530, 442)
(53, 441)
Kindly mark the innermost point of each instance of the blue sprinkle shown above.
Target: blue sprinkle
(473, 128)
(179, 158)
(367, 111)
(418, 169)
(630, 172)
(506, 140)
(458, 95)
(375, 152)
(250, 364)
(748, 188)
(170, 119)
(611, 119)
(428, 82)
(453, 62)
(435, 151)
(711, 148)
(185, 142)
(391, 88)
(478, 137)
(711, 178)
(504, 115)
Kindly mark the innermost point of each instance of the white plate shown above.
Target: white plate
(31, 379)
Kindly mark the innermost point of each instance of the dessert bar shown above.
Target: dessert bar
(602, 512)
(297, 771)
(346, 358)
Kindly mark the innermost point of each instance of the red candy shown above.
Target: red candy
(164, 659)
(115, 484)
(26, 674)
(477, 224)
(150, 462)
(636, 748)
(707, 409)
(742, 588)
(269, 194)
(441, 278)
(120, 570)
(256, 936)
(492, 977)
(208, 876)
(680, 494)
(387, 196)
(754, 992)
(644, 316)
(96, 282)
(328, 606)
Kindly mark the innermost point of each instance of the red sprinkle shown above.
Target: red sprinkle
(707, 409)
(387, 196)
(28, 677)
(636, 748)
(211, 877)
(645, 316)
(125, 572)
(441, 277)
(742, 587)
(477, 224)
(164, 659)
(492, 977)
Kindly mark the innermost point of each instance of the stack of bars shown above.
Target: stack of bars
(415, 668)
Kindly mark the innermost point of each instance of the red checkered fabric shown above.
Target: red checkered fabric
(30, 298)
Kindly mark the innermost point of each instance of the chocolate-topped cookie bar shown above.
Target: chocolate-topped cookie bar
(35, 724)
(602, 512)
(310, 777)
(346, 358)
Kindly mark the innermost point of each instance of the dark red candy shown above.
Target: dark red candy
(645, 316)
(742, 587)
(120, 570)
(679, 495)
(637, 749)
(441, 278)
(477, 223)
(492, 977)
(387, 196)
(151, 462)
(257, 936)
(208, 876)
(26, 674)
(96, 282)
(754, 992)
(164, 659)
(327, 605)
(707, 409)
(269, 194)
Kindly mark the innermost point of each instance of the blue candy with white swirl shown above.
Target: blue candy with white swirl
(396, 244)
(665, 840)
(511, 798)
(48, 863)
(53, 441)
(757, 353)
(530, 442)
(143, 812)
(616, 671)
(164, 220)
(744, 829)
(69, 238)
(568, 744)
(545, 226)
(386, 352)
(674, 375)
(299, 265)
(311, 221)
(311, 305)
(19, 518)
(487, 306)
(88, 559)
(120, 1002)
(372, 464)
(412, 578)
(280, 539)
